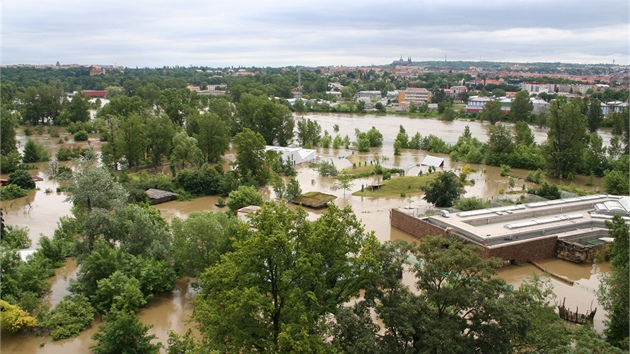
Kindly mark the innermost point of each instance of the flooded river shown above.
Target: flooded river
(41, 210)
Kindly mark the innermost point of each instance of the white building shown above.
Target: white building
(294, 154)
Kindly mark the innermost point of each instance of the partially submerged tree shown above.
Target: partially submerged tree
(444, 190)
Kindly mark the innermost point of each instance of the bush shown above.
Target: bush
(547, 191)
(81, 136)
(505, 170)
(242, 197)
(474, 203)
(21, 179)
(70, 317)
(35, 152)
(16, 237)
(54, 132)
(327, 168)
(10, 162)
(536, 177)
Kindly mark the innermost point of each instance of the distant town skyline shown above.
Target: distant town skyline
(273, 33)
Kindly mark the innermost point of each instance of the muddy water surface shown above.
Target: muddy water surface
(40, 212)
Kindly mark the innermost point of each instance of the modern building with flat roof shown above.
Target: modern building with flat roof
(529, 231)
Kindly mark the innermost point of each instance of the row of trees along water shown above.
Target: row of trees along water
(287, 284)
(292, 293)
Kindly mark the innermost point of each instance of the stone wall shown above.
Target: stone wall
(577, 253)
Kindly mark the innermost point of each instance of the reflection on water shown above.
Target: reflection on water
(40, 212)
(60, 281)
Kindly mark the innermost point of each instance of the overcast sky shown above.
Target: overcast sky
(324, 32)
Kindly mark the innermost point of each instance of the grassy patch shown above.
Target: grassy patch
(395, 187)
(314, 199)
(363, 170)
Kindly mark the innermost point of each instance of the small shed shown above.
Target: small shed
(433, 161)
(158, 196)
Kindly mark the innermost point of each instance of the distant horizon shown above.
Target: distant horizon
(432, 62)
(274, 33)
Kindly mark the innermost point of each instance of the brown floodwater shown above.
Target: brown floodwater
(40, 212)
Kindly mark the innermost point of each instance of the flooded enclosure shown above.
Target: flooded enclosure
(41, 210)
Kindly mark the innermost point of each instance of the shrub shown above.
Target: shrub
(54, 132)
(327, 168)
(70, 317)
(547, 191)
(21, 179)
(16, 237)
(505, 170)
(81, 136)
(35, 152)
(473, 203)
(536, 177)
(12, 191)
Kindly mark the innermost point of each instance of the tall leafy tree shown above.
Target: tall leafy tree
(273, 121)
(309, 132)
(491, 112)
(614, 291)
(225, 110)
(458, 306)
(159, 133)
(213, 136)
(185, 151)
(444, 190)
(594, 116)
(178, 103)
(566, 139)
(204, 234)
(521, 107)
(76, 110)
(8, 124)
(94, 187)
(275, 292)
(524, 135)
(132, 138)
(500, 145)
(250, 156)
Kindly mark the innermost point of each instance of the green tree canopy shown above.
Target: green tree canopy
(275, 292)
(566, 139)
(521, 107)
(124, 333)
(250, 156)
(204, 234)
(444, 190)
(614, 291)
(491, 112)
